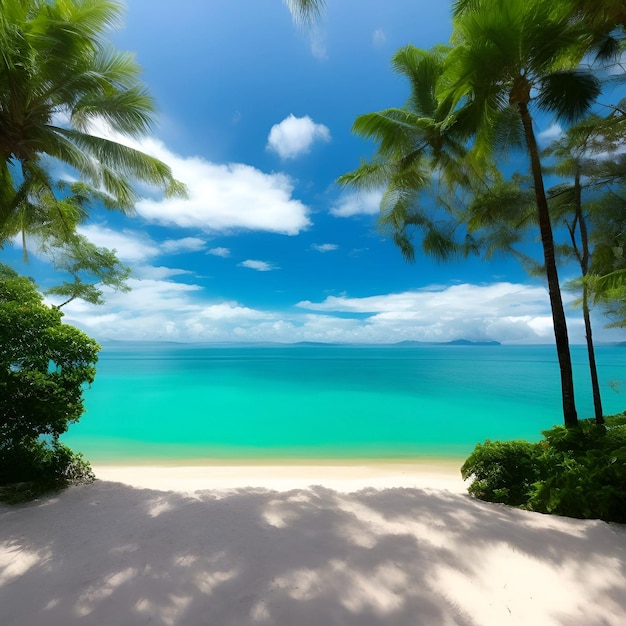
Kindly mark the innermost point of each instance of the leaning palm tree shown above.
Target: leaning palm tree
(514, 57)
(59, 79)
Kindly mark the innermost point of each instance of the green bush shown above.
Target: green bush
(578, 472)
(37, 467)
(44, 368)
(503, 471)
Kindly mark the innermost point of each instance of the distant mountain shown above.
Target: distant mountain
(454, 342)
(467, 342)
(117, 343)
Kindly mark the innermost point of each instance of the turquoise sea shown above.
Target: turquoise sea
(176, 401)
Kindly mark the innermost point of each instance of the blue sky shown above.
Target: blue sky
(255, 117)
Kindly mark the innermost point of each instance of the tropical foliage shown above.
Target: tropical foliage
(68, 96)
(470, 103)
(60, 83)
(578, 472)
(68, 101)
(44, 367)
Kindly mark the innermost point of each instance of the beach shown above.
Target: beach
(355, 543)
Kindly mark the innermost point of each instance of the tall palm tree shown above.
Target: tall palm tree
(523, 57)
(575, 160)
(501, 218)
(59, 76)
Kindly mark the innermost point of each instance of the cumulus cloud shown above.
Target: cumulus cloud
(221, 197)
(159, 272)
(160, 308)
(466, 299)
(186, 244)
(496, 311)
(357, 203)
(137, 247)
(324, 247)
(223, 252)
(227, 197)
(259, 266)
(131, 246)
(550, 134)
(295, 136)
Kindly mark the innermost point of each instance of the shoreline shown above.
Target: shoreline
(344, 475)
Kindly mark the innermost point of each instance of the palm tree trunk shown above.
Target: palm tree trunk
(556, 302)
(584, 266)
(595, 385)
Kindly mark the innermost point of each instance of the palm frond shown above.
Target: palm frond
(423, 68)
(568, 94)
(119, 158)
(305, 11)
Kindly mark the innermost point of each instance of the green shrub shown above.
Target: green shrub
(44, 368)
(31, 469)
(578, 472)
(503, 471)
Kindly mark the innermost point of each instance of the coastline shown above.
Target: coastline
(342, 475)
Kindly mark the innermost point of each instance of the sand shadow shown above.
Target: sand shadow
(108, 554)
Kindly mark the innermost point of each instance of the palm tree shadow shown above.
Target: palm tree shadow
(111, 554)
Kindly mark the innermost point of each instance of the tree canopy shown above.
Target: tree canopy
(67, 95)
(471, 103)
(44, 367)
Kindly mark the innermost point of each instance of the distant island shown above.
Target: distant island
(298, 344)
(454, 342)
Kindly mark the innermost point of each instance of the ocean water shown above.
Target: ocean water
(175, 402)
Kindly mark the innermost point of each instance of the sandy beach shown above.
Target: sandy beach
(307, 545)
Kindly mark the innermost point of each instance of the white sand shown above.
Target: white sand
(342, 476)
(276, 553)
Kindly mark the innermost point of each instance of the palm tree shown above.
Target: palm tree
(519, 56)
(419, 157)
(59, 77)
(501, 218)
(575, 159)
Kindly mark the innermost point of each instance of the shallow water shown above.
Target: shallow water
(173, 401)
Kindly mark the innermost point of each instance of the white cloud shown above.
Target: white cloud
(379, 38)
(259, 266)
(136, 247)
(550, 134)
(357, 203)
(221, 197)
(186, 244)
(500, 311)
(227, 197)
(324, 247)
(159, 308)
(223, 252)
(131, 246)
(295, 136)
(464, 299)
(158, 272)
